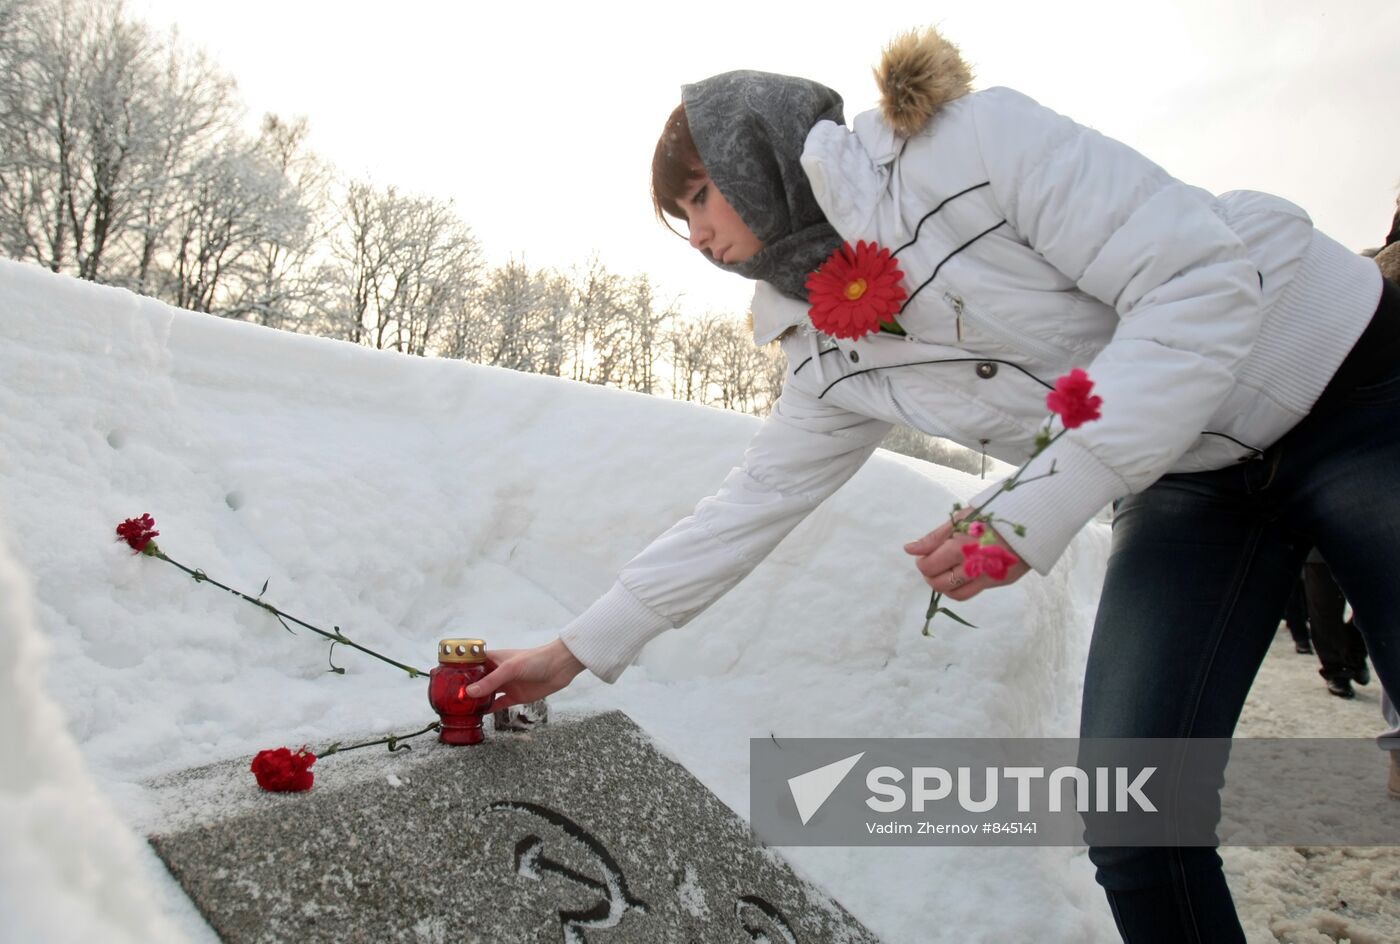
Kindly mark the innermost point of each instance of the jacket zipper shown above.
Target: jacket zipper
(1045, 353)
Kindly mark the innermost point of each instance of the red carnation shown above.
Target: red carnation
(1071, 399)
(990, 559)
(282, 770)
(138, 532)
(855, 291)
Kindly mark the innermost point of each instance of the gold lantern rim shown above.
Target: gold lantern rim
(461, 650)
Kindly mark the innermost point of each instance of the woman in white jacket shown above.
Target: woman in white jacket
(1249, 366)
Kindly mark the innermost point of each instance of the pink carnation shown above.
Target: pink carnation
(991, 559)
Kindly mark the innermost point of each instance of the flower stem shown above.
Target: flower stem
(337, 636)
(1008, 485)
(392, 740)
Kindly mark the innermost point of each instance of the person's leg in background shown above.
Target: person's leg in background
(1295, 616)
(1338, 642)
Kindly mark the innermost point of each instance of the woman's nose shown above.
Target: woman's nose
(699, 235)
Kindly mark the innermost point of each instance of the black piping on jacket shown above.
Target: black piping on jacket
(937, 360)
(1255, 452)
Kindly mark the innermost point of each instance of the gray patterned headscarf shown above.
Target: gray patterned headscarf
(750, 128)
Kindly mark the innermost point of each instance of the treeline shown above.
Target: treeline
(125, 159)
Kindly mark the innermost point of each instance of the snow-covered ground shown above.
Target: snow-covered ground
(405, 500)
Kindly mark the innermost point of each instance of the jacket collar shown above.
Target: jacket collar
(773, 313)
(850, 170)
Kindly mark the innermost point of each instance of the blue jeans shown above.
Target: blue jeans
(1201, 568)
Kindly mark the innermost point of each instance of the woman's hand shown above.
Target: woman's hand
(525, 675)
(940, 560)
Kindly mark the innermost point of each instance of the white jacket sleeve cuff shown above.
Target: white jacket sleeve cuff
(608, 635)
(1053, 509)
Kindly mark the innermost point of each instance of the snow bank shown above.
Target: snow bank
(69, 869)
(405, 500)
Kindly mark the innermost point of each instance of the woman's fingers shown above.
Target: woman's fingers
(929, 542)
(508, 667)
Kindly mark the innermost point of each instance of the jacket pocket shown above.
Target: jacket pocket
(972, 323)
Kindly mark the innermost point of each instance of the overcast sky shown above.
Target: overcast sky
(539, 119)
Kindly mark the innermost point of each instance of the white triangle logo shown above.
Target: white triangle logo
(812, 789)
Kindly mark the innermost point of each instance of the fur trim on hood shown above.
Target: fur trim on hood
(919, 73)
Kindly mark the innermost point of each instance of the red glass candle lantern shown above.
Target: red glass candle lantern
(460, 662)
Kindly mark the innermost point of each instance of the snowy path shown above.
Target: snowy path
(1306, 895)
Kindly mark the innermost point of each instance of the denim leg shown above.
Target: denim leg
(1197, 580)
(1340, 476)
(1201, 568)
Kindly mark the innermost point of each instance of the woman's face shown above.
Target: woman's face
(715, 228)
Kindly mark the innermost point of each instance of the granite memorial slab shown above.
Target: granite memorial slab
(578, 830)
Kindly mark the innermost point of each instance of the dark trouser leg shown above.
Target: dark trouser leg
(1337, 642)
(1200, 570)
(1296, 615)
(1197, 580)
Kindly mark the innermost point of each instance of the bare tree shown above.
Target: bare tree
(406, 264)
(642, 335)
(689, 344)
(97, 114)
(76, 92)
(195, 113)
(237, 204)
(592, 326)
(614, 329)
(739, 368)
(285, 285)
(514, 306)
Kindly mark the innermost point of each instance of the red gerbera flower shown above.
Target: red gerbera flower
(1071, 399)
(855, 291)
(283, 771)
(138, 532)
(990, 559)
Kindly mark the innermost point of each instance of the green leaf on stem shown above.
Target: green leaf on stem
(264, 589)
(334, 668)
(944, 609)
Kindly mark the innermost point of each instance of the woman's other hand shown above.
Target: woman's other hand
(940, 559)
(525, 675)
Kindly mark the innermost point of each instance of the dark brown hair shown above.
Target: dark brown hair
(673, 167)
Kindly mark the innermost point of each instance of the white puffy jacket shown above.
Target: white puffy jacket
(1209, 326)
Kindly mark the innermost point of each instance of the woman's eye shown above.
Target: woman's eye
(699, 199)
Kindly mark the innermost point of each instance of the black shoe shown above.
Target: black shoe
(1341, 687)
(1361, 676)
(1302, 648)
